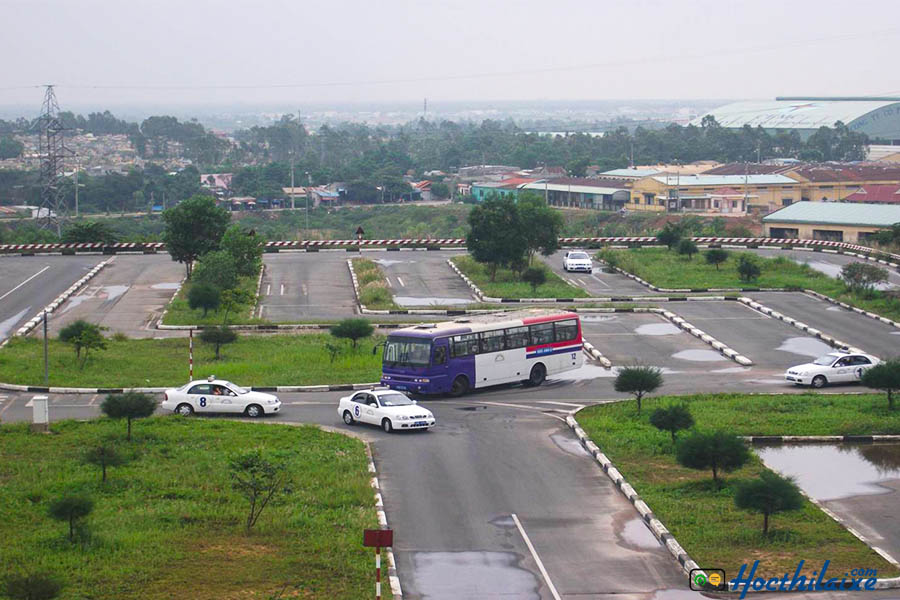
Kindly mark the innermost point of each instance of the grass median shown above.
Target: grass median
(668, 269)
(276, 359)
(374, 290)
(508, 284)
(168, 524)
(705, 520)
(179, 313)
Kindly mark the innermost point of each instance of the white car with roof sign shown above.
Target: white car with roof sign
(388, 409)
(834, 367)
(219, 396)
(577, 260)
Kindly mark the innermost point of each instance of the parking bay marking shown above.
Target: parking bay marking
(537, 559)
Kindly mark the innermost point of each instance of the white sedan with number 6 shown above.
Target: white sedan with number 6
(219, 396)
(834, 367)
(385, 408)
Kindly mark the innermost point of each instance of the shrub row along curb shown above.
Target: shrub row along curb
(705, 337)
(656, 526)
(27, 327)
(871, 315)
(833, 342)
(393, 577)
(337, 387)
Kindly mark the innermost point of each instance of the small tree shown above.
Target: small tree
(353, 330)
(217, 269)
(71, 508)
(193, 228)
(718, 451)
(218, 336)
(128, 406)
(687, 248)
(246, 247)
(104, 456)
(638, 380)
(770, 494)
(670, 235)
(672, 419)
(862, 277)
(32, 586)
(232, 300)
(884, 376)
(333, 351)
(90, 338)
(716, 256)
(259, 478)
(535, 276)
(205, 296)
(71, 334)
(747, 268)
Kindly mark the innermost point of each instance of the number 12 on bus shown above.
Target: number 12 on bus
(454, 357)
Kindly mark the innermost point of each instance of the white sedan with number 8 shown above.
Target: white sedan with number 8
(385, 408)
(219, 396)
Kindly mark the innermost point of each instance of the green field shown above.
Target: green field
(179, 313)
(507, 284)
(667, 269)
(271, 359)
(704, 520)
(168, 524)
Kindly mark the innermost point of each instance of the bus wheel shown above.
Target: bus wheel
(460, 386)
(538, 375)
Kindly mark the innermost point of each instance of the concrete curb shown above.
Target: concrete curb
(258, 307)
(595, 354)
(705, 337)
(159, 322)
(831, 341)
(393, 577)
(336, 387)
(818, 439)
(650, 286)
(871, 315)
(35, 321)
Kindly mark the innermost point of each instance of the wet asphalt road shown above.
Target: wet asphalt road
(306, 286)
(422, 279)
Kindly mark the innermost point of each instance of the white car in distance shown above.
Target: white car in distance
(219, 396)
(834, 367)
(388, 409)
(577, 260)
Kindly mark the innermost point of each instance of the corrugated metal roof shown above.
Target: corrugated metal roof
(578, 189)
(724, 180)
(796, 114)
(837, 213)
(631, 173)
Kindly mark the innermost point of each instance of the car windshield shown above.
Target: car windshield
(578, 255)
(407, 352)
(394, 400)
(824, 360)
(238, 389)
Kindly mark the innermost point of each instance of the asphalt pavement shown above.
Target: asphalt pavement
(422, 279)
(306, 286)
(599, 283)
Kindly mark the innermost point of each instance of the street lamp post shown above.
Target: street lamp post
(308, 192)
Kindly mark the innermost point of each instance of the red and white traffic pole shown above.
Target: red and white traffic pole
(191, 354)
(377, 572)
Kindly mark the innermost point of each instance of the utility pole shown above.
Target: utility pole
(292, 180)
(52, 150)
(77, 165)
(308, 193)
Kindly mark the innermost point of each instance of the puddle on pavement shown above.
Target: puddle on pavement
(657, 329)
(114, 291)
(73, 302)
(7, 325)
(165, 286)
(732, 370)
(636, 534)
(598, 318)
(483, 575)
(699, 355)
(834, 308)
(386, 262)
(585, 371)
(831, 471)
(505, 521)
(677, 594)
(569, 445)
(412, 301)
(805, 346)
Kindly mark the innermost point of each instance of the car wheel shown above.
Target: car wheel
(387, 426)
(254, 411)
(185, 410)
(460, 386)
(538, 375)
(348, 418)
(819, 381)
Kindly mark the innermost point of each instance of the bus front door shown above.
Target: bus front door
(440, 365)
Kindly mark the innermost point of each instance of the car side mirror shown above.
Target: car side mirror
(415, 402)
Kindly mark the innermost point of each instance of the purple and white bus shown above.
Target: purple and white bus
(478, 351)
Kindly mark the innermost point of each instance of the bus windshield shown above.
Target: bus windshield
(407, 352)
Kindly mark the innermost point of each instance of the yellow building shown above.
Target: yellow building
(833, 182)
(833, 221)
(701, 193)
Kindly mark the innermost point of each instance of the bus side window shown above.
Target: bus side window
(542, 333)
(517, 337)
(566, 330)
(440, 355)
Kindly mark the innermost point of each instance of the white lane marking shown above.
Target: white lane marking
(3, 410)
(600, 281)
(282, 290)
(29, 404)
(303, 290)
(24, 282)
(388, 279)
(573, 405)
(536, 409)
(268, 289)
(93, 399)
(401, 281)
(537, 559)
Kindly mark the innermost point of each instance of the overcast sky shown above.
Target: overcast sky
(389, 50)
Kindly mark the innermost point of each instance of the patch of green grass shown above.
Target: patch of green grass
(270, 359)
(667, 269)
(374, 291)
(704, 520)
(179, 313)
(508, 284)
(169, 525)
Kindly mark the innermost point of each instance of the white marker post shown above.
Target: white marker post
(190, 354)
(40, 414)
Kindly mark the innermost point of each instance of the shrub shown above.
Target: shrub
(259, 478)
(670, 235)
(245, 247)
(747, 268)
(638, 381)
(78, 332)
(104, 456)
(205, 296)
(33, 586)
(770, 494)
(218, 336)
(861, 278)
(353, 330)
(672, 419)
(534, 276)
(687, 248)
(716, 256)
(128, 406)
(375, 293)
(72, 508)
(884, 376)
(718, 451)
(217, 269)
(610, 257)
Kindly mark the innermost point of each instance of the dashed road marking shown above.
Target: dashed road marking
(24, 282)
(282, 290)
(600, 281)
(400, 281)
(268, 289)
(303, 290)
